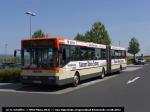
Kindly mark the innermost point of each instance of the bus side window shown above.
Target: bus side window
(116, 54)
(64, 54)
(123, 54)
(77, 53)
(97, 54)
(72, 53)
(103, 53)
(113, 54)
(83, 53)
(92, 56)
(120, 54)
(68, 56)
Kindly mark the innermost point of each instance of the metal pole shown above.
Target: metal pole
(30, 14)
(5, 52)
(30, 26)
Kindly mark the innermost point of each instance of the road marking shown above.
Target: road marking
(133, 80)
(63, 91)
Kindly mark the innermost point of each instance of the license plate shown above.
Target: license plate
(37, 82)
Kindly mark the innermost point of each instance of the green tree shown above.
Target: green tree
(97, 34)
(134, 47)
(80, 37)
(38, 33)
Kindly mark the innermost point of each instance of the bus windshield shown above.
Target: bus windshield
(39, 57)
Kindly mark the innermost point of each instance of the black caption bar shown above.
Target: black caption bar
(62, 109)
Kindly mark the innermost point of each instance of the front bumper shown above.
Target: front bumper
(42, 80)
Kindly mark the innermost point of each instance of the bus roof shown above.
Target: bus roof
(43, 38)
(76, 42)
(81, 43)
(69, 42)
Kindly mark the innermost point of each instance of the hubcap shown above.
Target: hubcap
(102, 75)
(76, 80)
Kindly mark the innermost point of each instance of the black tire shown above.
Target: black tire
(76, 80)
(102, 74)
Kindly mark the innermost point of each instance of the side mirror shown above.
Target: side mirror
(15, 53)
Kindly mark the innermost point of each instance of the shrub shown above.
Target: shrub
(130, 61)
(10, 75)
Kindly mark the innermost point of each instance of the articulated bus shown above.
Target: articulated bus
(60, 61)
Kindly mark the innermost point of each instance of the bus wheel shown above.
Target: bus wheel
(102, 75)
(76, 80)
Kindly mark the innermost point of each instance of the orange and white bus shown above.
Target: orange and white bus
(59, 61)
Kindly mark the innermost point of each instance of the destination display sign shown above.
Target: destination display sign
(38, 43)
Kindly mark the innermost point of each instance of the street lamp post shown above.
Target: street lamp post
(30, 14)
(119, 43)
(6, 52)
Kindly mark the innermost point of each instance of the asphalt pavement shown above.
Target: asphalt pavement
(130, 90)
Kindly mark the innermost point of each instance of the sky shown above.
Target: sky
(123, 20)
